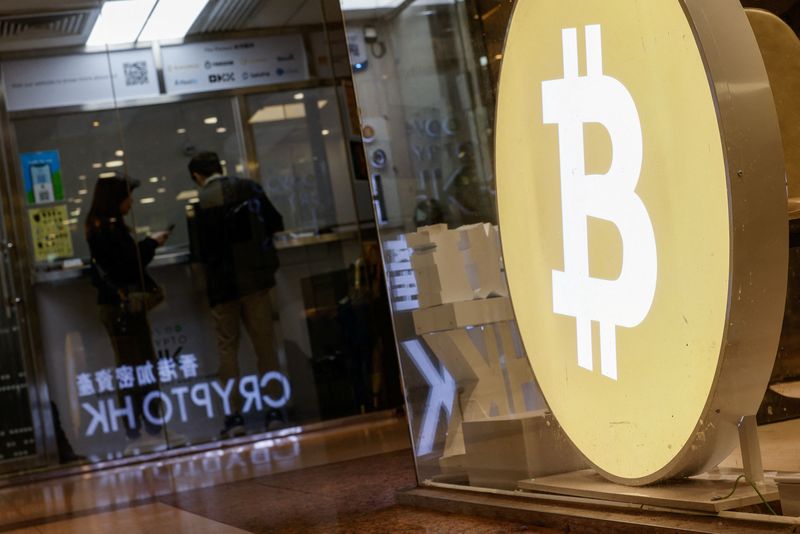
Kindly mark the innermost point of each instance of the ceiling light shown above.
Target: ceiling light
(181, 131)
(120, 22)
(95, 123)
(322, 103)
(325, 132)
(147, 200)
(222, 130)
(171, 19)
(153, 179)
(114, 164)
(186, 195)
(119, 153)
(107, 174)
(298, 96)
(356, 5)
(210, 120)
(97, 165)
(161, 190)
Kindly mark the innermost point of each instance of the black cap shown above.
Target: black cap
(131, 182)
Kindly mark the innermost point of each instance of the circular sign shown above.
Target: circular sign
(644, 234)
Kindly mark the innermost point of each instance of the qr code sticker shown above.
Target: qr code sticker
(136, 73)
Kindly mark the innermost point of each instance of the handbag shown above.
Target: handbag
(143, 301)
(133, 300)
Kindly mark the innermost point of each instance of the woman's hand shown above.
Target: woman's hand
(160, 238)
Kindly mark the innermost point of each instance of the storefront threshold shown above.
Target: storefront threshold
(584, 514)
(50, 473)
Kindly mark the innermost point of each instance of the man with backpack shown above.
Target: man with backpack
(234, 224)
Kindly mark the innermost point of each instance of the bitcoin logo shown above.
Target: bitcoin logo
(647, 280)
(570, 103)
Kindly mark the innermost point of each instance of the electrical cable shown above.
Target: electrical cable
(752, 485)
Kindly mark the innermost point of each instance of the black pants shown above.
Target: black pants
(132, 342)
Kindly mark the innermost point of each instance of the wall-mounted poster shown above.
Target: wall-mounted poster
(217, 65)
(42, 174)
(49, 233)
(50, 82)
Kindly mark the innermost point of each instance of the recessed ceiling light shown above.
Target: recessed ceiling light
(211, 120)
(222, 129)
(171, 19)
(120, 22)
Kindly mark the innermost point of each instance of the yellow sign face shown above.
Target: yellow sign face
(615, 222)
(50, 233)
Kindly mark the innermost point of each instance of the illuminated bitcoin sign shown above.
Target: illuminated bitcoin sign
(643, 219)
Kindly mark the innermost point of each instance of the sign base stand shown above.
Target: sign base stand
(701, 493)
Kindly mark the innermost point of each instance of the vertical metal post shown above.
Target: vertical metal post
(751, 449)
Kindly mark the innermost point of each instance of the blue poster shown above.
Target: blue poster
(42, 174)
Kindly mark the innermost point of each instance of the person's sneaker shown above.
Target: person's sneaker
(274, 419)
(146, 443)
(234, 426)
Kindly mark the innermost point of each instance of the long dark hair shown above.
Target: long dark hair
(109, 194)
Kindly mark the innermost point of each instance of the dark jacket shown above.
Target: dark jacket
(235, 224)
(115, 260)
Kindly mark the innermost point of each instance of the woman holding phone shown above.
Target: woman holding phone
(125, 291)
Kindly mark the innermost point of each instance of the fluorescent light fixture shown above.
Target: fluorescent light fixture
(97, 165)
(82, 177)
(279, 112)
(358, 5)
(147, 200)
(153, 179)
(83, 191)
(326, 132)
(299, 96)
(107, 174)
(114, 164)
(171, 19)
(187, 195)
(119, 153)
(222, 129)
(181, 131)
(210, 120)
(161, 190)
(120, 22)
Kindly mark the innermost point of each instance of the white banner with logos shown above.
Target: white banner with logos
(213, 66)
(80, 79)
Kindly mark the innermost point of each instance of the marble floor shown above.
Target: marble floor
(341, 480)
(338, 480)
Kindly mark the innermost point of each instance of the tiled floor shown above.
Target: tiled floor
(331, 481)
(340, 481)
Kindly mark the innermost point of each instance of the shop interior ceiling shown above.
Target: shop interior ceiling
(40, 24)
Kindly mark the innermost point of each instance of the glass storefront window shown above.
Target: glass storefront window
(426, 75)
(100, 372)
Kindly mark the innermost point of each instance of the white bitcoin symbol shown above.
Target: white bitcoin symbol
(570, 103)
